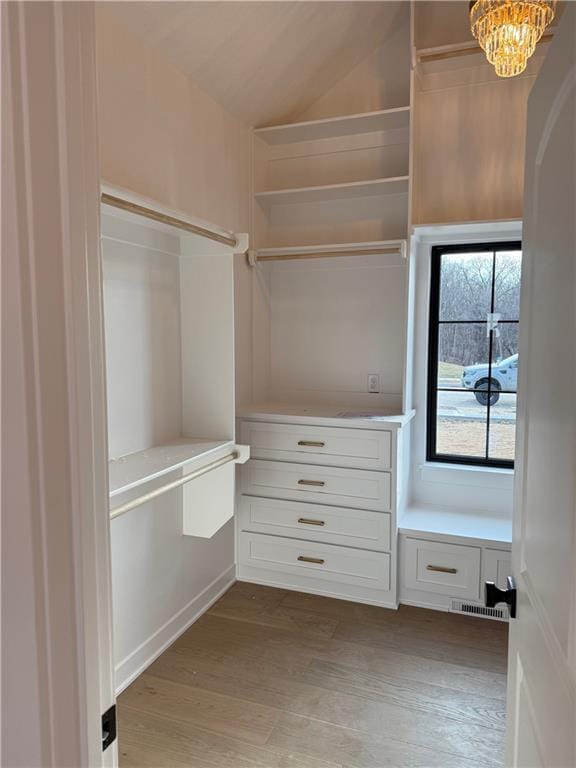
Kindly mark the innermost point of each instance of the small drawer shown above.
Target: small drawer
(446, 569)
(316, 522)
(321, 561)
(333, 446)
(361, 489)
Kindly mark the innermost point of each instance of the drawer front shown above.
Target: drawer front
(316, 522)
(321, 561)
(333, 446)
(361, 489)
(446, 569)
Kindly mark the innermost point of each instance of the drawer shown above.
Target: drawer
(316, 522)
(333, 446)
(321, 561)
(446, 569)
(358, 488)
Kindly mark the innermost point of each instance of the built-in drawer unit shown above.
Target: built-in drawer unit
(358, 488)
(446, 569)
(325, 562)
(331, 446)
(316, 522)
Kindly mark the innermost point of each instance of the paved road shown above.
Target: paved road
(465, 406)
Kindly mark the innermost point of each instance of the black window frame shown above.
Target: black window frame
(434, 323)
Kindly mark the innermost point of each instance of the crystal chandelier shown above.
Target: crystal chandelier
(508, 30)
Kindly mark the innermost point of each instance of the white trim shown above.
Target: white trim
(61, 668)
(305, 584)
(431, 482)
(129, 668)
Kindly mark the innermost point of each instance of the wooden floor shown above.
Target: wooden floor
(276, 679)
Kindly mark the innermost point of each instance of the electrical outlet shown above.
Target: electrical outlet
(373, 383)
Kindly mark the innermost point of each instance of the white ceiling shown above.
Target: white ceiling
(265, 62)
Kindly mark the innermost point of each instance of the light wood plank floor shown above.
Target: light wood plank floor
(276, 679)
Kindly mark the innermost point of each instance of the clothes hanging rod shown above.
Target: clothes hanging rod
(163, 218)
(254, 257)
(139, 500)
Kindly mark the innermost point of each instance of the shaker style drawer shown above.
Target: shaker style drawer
(334, 446)
(321, 561)
(316, 522)
(361, 489)
(446, 569)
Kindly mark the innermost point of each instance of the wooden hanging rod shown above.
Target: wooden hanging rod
(254, 257)
(164, 218)
(139, 500)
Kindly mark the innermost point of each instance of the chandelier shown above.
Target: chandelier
(508, 30)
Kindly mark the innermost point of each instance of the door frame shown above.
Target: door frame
(57, 637)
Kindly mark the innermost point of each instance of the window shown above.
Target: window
(473, 353)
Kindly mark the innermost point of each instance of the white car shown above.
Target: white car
(504, 377)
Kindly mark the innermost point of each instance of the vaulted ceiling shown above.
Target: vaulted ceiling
(263, 61)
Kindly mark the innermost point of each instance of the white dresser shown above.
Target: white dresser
(318, 501)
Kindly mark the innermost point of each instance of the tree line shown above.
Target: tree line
(466, 294)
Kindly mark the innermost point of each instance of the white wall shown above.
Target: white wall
(331, 323)
(162, 137)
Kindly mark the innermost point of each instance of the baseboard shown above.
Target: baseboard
(127, 670)
(274, 579)
(424, 604)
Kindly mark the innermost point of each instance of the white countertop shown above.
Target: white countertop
(329, 415)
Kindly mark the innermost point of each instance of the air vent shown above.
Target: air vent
(472, 609)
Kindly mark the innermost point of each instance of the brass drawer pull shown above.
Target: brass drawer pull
(307, 521)
(316, 483)
(441, 569)
(316, 560)
(312, 443)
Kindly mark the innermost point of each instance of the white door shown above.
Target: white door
(542, 677)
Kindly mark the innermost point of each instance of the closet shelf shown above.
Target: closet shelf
(134, 469)
(390, 186)
(332, 250)
(332, 127)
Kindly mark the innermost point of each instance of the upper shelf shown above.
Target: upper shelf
(132, 470)
(366, 122)
(390, 186)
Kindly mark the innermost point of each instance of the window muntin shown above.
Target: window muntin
(473, 353)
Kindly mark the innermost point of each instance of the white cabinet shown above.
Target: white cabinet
(317, 510)
(446, 569)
